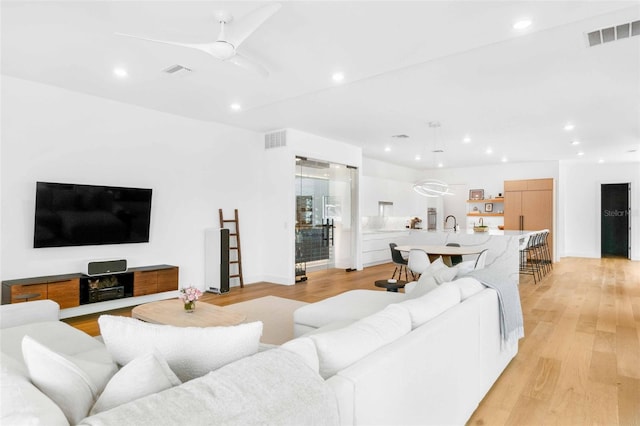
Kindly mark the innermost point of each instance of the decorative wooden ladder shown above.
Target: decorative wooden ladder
(233, 233)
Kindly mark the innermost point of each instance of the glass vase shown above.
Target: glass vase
(189, 307)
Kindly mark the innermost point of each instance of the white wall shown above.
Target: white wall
(387, 182)
(580, 205)
(193, 167)
(279, 184)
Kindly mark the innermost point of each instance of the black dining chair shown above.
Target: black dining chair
(399, 261)
(455, 259)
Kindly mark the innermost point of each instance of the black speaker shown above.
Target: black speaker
(224, 260)
(217, 260)
(104, 267)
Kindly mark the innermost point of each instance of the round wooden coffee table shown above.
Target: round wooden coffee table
(171, 312)
(391, 286)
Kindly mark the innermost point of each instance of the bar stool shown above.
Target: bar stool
(528, 265)
(546, 252)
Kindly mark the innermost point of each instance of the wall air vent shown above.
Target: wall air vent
(275, 139)
(609, 34)
(176, 69)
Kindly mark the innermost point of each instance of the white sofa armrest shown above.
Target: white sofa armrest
(16, 314)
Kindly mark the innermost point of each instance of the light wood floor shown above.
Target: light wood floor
(579, 363)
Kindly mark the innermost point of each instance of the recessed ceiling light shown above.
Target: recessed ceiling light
(568, 127)
(600, 161)
(417, 158)
(505, 159)
(466, 139)
(522, 24)
(580, 154)
(489, 151)
(440, 165)
(387, 148)
(120, 72)
(337, 77)
(235, 106)
(574, 143)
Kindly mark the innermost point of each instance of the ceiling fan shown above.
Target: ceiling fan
(228, 41)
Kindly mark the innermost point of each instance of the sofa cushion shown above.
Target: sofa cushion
(22, 403)
(304, 347)
(143, 376)
(73, 384)
(190, 351)
(432, 304)
(338, 349)
(15, 314)
(274, 387)
(57, 336)
(350, 305)
(468, 286)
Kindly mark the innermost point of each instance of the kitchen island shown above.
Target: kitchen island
(503, 246)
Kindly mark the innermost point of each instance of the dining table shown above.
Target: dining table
(434, 251)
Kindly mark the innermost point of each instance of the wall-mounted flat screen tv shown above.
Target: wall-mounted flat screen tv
(79, 215)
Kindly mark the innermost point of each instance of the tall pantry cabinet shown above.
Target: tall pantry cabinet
(528, 206)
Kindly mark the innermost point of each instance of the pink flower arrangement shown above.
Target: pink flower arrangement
(189, 294)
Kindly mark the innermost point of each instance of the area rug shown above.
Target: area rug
(276, 313)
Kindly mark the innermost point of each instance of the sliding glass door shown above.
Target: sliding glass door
(325, 231)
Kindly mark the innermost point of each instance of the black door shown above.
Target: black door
(614, 238)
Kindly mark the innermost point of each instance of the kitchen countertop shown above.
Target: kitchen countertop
(491, 231)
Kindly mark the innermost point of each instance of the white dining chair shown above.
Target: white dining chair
(471, 265)
(418, 261)
(481, 260)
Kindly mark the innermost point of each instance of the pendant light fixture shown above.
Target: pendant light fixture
(433, 187)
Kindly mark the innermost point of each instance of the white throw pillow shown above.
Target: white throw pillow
(338, 349)
(424, 285)
(145, 375)
(432, 304)
(73, 384)
(468, 287)
(465, 267)
(436, 274)
(21, 402)
(190, 351)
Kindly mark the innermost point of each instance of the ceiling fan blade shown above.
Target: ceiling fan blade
(205, 47)
(239, 30)
(249, 65)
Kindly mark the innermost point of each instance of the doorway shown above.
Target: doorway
(614, 220)
(325, 216)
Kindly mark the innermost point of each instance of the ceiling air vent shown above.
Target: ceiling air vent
(400, 136)
(275, 139)
(176, 69)
(609, 34)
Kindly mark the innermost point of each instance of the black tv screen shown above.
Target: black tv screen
(80, 215)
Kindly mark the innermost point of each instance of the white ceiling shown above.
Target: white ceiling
(459, 63)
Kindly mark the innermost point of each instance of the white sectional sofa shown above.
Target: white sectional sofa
(270, 387)
(367, 357)
(435, 374)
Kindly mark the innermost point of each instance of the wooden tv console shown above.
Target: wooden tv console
(72, 290)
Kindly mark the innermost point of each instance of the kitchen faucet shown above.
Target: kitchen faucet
(455, 222)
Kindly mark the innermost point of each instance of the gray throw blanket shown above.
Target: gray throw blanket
(511, 322)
